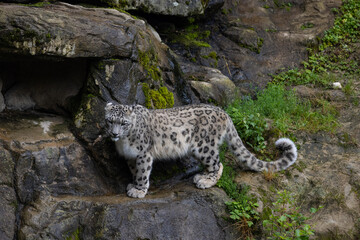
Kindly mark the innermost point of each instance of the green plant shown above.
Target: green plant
(191, 37)
(242, 209)
(250, 127)
(307, 25)
(285, 110)
(38, 4)
(212, 55)
(244, 214)
(74, 235)
(284, 220)
(161, 98)
(149, 61)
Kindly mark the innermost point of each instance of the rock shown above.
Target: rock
(209, 84)
(245, 37)
(8, 204)
(2, 102)
(180, 8)
(166, 214)
(48, 158)
(19, 98)
(313, 93)
(70, 31)
(8, 201)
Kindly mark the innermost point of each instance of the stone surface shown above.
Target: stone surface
(8, 206)
(70, 31)
(243, 36)
(8, 201)
(181, 8)
(175, 8)
(209, 84)
(2, 101)
(167, 214)
(313, 93)
(48, 158)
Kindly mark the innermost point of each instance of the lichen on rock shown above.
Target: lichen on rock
(157, 99)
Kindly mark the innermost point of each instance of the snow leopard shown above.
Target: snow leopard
(142, 135)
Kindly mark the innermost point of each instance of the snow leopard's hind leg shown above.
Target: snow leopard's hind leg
(212, 173)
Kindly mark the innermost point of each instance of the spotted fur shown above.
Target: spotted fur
(142, 135)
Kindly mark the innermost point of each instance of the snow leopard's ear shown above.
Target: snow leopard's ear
(108, 106)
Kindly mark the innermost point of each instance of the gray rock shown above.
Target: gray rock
(209, 84)
(70, 31)
(6, 167)
(8, 201)
(48, 159)
(245, 37)
(181, 8)
(182, 211)
(8, 204)
(2, 101)
(19, 98)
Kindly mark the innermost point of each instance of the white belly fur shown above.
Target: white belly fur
(124, 149)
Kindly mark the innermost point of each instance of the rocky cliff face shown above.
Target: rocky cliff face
(60, 177)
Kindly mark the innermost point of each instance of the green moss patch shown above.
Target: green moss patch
(157, 99)
(191, 37)
(149, 61)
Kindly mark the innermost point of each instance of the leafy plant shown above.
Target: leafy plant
(285, 110)
(242, 209)
(244, 214)
(251, 127)
(284, 220)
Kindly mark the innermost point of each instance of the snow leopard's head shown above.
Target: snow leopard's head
(119, 120)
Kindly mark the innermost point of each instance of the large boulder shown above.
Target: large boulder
(209, 84)
(2, 102)
(182, 8)
(47, 157)
(177, 8)
(72, 31)
(182, 211)
(8, 200)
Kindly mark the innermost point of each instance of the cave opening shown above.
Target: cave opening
(40, 84)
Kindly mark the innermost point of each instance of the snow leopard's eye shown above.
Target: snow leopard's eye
(124, 123)
(108, 122)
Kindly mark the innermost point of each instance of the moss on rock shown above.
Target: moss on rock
(149, 62)
(157, 99)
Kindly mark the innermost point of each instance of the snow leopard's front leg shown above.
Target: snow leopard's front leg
(140, 186)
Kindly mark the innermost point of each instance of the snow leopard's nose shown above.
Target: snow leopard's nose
(115, 135)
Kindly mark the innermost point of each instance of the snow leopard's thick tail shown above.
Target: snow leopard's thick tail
(248, 161)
